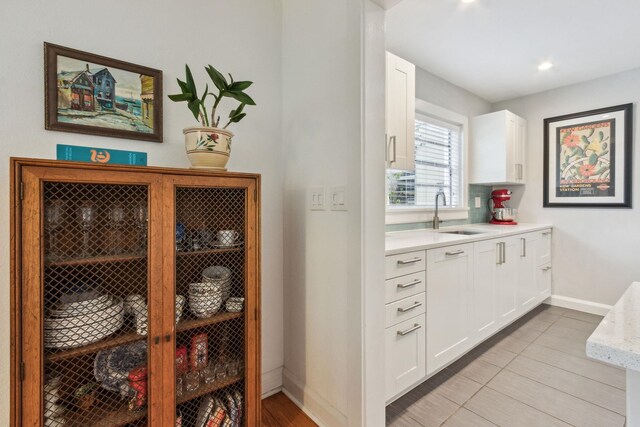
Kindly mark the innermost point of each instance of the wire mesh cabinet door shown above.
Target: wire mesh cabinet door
(91, 291)
(211, 245)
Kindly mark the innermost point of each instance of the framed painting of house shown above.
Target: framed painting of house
(92, 94)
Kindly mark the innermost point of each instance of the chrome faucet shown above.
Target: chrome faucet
(436, 220)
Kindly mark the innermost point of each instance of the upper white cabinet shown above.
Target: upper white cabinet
(400, 113)
(498, 149)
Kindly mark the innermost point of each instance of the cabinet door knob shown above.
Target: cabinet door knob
(415, 327)
(156, 340)
(167, 337)
(547, 268)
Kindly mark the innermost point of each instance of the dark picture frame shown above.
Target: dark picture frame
(588, 159)
(74, 101)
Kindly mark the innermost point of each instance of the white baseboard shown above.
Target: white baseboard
(578, 304)
(311, 403)
(271, 382)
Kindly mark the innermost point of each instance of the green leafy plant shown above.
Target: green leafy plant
(226, 89)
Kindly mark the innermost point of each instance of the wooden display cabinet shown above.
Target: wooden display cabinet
(101, 304)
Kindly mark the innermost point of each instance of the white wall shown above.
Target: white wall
(240, 36)
(595, 251)
(322, 136)
(445, 94)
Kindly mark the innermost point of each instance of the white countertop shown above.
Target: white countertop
(397, 242)
(617, 339)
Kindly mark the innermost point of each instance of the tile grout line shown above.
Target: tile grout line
(526, 404)
(557, 389)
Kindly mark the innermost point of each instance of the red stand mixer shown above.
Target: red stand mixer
(501, 214)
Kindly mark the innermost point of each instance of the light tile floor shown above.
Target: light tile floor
(533, 373)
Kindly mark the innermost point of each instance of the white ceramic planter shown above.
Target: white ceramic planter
(208, 148)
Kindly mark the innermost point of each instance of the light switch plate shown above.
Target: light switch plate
(338, 198)
(316, 199)
(478, 202)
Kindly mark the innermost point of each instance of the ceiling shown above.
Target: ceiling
(493, 47)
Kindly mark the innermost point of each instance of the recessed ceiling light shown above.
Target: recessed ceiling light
(545, 66)
(468, 1)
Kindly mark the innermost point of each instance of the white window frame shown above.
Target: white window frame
(403, 215)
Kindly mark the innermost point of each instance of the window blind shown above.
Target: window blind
(438, 159)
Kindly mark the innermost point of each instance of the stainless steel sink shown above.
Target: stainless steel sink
(463, 232)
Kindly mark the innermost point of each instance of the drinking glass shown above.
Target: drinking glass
(116, 219)
(192, 380)
(140, 214)
(54, 217)
(87, 213)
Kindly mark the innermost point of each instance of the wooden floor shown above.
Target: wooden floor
(533, 374)
(279, 410)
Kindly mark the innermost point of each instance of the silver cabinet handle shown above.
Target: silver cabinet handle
(546, 233)
(520, 171)
(503, 252)
(458, 252)
(411, 307)
(408, 261)
(392, 140)
(547, 268)
(415, 327)
(499, 253)
(524, 247)
(408, 285)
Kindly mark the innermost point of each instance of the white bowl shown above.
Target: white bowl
(234, 305)
(206, 305)
(216, 272)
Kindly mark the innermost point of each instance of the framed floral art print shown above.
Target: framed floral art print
(588, 158)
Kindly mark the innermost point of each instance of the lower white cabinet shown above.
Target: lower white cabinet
(528, 293)
(507, 275)
(449, 278)
(484, 313)
(467, 293)
(405, 356)
(544, 282)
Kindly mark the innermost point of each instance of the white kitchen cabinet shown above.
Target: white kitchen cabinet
(405, 355)
(449, 278)
(527, 291)
(544, 282)
(543, 247)
(497, 149)
(506, 290)
(400, 113)
(404, 309)
(483, 314)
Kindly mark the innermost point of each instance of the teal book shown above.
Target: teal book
(76, 153)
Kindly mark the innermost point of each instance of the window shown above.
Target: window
(439, 166)
(107, 83)
(99, 81)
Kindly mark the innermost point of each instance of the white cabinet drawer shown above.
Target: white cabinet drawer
(451, 252)
(405, 358)
(404, 286)
(404, 309)
(403, 264)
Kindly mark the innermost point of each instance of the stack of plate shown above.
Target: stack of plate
(205, 299)
(83, 321)
(219, 276)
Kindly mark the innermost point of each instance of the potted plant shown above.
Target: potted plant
(209, 145)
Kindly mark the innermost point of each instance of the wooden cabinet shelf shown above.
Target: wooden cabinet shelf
(208, 388)
(95, 260)
(69, 208)
(211, 251)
